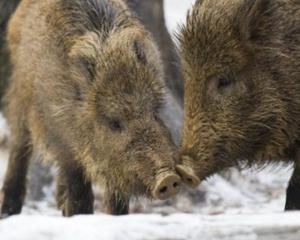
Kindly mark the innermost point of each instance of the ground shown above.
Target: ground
(154, 227)
(236, 205)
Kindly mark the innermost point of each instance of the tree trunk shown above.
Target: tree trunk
(151, 13)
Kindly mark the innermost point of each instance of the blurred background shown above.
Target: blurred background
(234, 191)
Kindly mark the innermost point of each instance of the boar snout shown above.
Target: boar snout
(187, 173)
(167, 185)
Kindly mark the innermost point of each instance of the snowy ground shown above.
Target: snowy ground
(236, 205)
(154, 227)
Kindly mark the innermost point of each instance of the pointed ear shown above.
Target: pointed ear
(82, 71)
(84, 66)
(139, 52)
(198, 2)
(250, 16)
(83, 55)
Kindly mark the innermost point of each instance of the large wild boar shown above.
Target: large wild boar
(242, 88)
(85, 91)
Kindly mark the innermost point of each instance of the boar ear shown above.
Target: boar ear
(139, 52)
(84, 66)
(83, 55)
(249, 17)
(82, 71)
(198, 2)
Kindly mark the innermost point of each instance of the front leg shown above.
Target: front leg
(116, 203)
(14, 187)
(293, 190)
(74, 193)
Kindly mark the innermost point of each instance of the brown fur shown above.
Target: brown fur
(86, 89)
(242, 85)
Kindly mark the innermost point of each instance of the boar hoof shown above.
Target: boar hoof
(167, 186)
(188, 177)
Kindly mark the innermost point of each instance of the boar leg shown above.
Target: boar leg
(14, 187)
(293, 191)
(116, 203)
(74, 192)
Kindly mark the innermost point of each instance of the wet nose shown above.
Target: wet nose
(167, 186)
(188, 176)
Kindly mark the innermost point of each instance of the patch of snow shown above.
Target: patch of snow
(176, 11)
(153, 227)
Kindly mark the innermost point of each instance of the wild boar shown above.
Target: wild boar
(241, 65)
(85, 92)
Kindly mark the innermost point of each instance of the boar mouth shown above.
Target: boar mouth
(139, 188)
(188, 176)
(193, 170)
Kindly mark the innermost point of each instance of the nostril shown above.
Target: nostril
(163, 190)
(166, 186)
(189, 180)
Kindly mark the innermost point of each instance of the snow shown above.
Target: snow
(136, 227)
(236, 205)
(176, 12)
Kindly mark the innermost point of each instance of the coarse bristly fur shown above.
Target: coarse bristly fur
(85, 92)
(241, 65)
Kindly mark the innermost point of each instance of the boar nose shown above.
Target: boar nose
(167, 186)
(188, 176)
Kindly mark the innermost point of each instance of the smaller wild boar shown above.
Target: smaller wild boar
(241, 65)
(85, 92)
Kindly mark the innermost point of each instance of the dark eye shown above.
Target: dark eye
(115, 125)
(224, 82)
(156, 117)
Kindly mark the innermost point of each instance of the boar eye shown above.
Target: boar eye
(156, 117)
(115, 125)
(224, 82)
